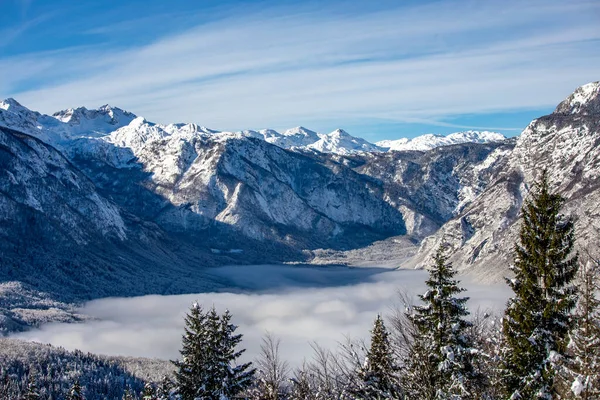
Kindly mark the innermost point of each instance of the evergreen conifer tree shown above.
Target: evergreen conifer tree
(537, 317)
(440, 362)
(206, 370)
(237, 378)
(581, 375)
(163, 392)
(32, 392)
(76, 392)
(377, 378)
(190, 373)
(149, 392)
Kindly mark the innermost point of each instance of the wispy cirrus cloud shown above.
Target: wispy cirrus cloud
(289, 66)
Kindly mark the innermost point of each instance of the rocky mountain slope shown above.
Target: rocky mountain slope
(192, 180)
(102, 202)
(567, 144)
(59, 234)
(146, 208)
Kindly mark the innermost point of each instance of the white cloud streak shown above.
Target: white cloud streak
(151, 326)
(286, 67)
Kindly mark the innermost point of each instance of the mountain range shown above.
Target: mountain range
(104, 203)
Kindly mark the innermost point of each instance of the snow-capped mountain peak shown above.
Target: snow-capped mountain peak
(430, 141)
(96, 122)
(269, 134)
(11, 104)
(107, 122)
(585, 101)
(341, 142)
(300, 130)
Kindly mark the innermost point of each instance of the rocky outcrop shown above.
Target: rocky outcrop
(567, 144)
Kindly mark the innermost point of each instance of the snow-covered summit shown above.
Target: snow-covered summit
(12, 105)
(431, 141)
(100, 121)
(341, 142)
(125, 129)
(66, 125)
(297, 137)
(585, 100)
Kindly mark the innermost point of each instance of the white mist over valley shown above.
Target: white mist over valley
(300, 305)
(299, 200)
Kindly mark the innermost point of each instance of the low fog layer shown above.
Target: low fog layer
(296, 304)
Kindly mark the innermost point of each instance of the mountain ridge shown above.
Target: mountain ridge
(166, 202)
(567, 144)
(107, 119)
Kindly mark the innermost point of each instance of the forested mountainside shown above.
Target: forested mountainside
(54, 370)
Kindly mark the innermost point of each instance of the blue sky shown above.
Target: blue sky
(389, 70)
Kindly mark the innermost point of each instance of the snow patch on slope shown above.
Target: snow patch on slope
(431, 141)
(341, 142)
(585, 100)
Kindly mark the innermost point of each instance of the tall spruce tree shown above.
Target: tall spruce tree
(440, 362)
(206, 370)
(581, 372)
(76, 393)
(236, 378)
(377, 378)
(190, 373)
(537, 318)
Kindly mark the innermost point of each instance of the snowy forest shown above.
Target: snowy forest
(546, 345)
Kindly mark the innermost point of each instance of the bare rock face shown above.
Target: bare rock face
(119, 198)
(567, 144)
(37, 182)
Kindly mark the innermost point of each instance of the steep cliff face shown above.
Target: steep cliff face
(195, 182)
(38, 183)
(431, 187)
(567, 144)
(61, 235)
(107, 189)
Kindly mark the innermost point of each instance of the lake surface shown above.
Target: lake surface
(297, 304)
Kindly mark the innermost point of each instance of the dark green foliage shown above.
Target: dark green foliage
(149, 392)
(32, 392)
(377, 377)
(206, 369)
(190, 368)
(440, 362)
(75, 393)
(163, 391)
(537, 319)
(580, 371)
